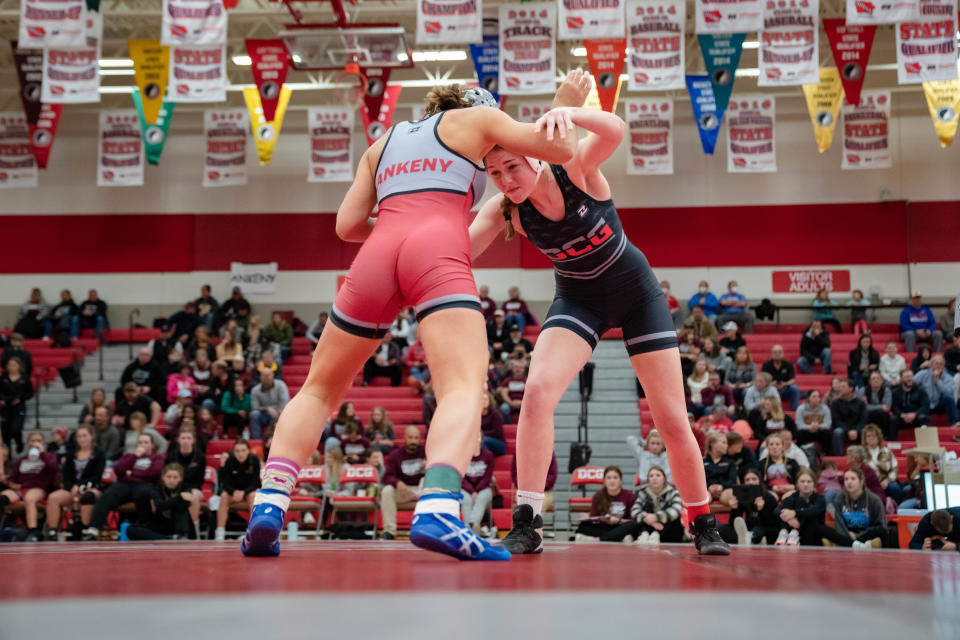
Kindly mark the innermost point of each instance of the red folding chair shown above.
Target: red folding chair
(364, 474)
(582, 477)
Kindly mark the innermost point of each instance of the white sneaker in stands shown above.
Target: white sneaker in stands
(793, 539)
(220, 535)
(858, 546)
(654, 538)
(743, 536)
(584, 538)
(781, 538)
(627, 540)
(644, 538)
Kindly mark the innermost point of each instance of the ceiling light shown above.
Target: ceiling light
(117, 72)
(751, 44)
(579, 52)
(439, 56)
(241, 61)
(116, 62)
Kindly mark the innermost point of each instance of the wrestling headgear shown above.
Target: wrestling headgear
(480, 97)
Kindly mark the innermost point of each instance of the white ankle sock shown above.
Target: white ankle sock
(533, 499)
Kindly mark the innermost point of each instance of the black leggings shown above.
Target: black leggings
(13, 419)
(823, 437)
(843, 540)
(118, 494)
(608, 532)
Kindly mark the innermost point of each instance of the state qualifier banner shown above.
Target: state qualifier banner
(728, 16)
(43, 118)
(721, 55)
(269, 63)
(52, 23)
(531, 111)
(880, 11)
(605, 59)
(194, 22)
(927, 47)
(650, 125)
(527, 48)
(120, 154)
(943, 99)
(18, 167)
(751, 138)
(655, 54)
(789, 44)
(198, 74)
(582, 19)
(331, 144)
(866, 132)
(73, 75)
(706, 112)
(265, 132)
(449, 21)
(486, 58)
(823, 102)
(851, 46)
(151, 74)
(377, 114)
(225, 153)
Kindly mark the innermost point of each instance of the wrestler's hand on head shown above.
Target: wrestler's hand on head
(574, 89)
(560, 119)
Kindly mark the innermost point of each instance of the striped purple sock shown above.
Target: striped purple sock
(278, 482)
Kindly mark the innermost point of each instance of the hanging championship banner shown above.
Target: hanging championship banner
(374, 127)
(751, 142)
(866, 140)
(150, 62)
(728, 16)
(52, 23)
(605, 59)
(527, 48)
(225, 155)
(851, 50)
(531, 111)
(269, 63)
(927, 47)
(823, 102)
(655, 59)
(486, 57)
(706, 112)
(331, 144)
(265, 132)
(880, 11)
(449, 21)
(18, 167)
(154, 133)
(582, 19)
(721, 54)
(789, 44)
(198, 74)
(943, 99)
(650, 123)
(42, 118)
(194, 22)
(73, 75)
(120, 155)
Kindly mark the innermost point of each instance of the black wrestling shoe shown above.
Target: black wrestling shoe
(706, 538)
(523, 537)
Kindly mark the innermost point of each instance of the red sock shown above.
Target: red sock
(690, 512)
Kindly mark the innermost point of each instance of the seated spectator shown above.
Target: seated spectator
(498, 332)
(136, 426)
(16, 349)
(790, 448)
(716, 359)
(716, 419)
(107, 436)
(81, 475)
(836, 383)
(783, 377)
(859, 516)
(857, 458)
(515, 341)
(918, 324)
(911, 406)
(181, 381)
(267, 361)
(656, 510)
(160, 346)
(354, 445)
(164, 515)
(416, 361)
(335, 429)
(609, 519)
(937, 383)
(132, 402)
(731, 340)
(202, 372)
(672, 305)
(879, 400)
(207, 428)
(98, 398)
(946, 319)
(385, 361)
(491, 426)
(701, 324)
(720, 470)
(689, 347)
(239, 480)
(185, 322)
(858, 315)
(477, 493)
(922, 359)
(768, 417)
(253, 343)
(882, 461)
(207, 306)
(240, 371)
(267, 400)
(188, 454)
(146, 374)
(864, 359)
(733, 307)
(515, 310)
(403, 330)
(380, 431)
(487, 305)
(34, 475)
(15, 391)
(218, 382)
(229, 348)
(201, 343)
(511, 390)
(740, 374)
(951, 357)
(848, 414)
(762, 388)
(708, 303)
(777, 471)
(716, 393)
(891, 364)
(403, 472)
(814, 422)
(182, 410)
(815, 349)
(753, 512)
(235, 308)
(697, 382)
(334, 462)
(741, 455)
(313, 333)
(279, 336)
(938, 531)
(32, 316)
(62, 317)
(824, 310)
(802, 513)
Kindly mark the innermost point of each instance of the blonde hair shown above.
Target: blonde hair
(776, 408)
(506, 209)
(445, 98)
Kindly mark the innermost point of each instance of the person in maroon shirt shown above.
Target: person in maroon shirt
(714, 390)
(403, 471)
(487, 305)
(515, 309)
(856, 459)
(491, 426)
(33, 476)
(354, 445)
(477, 493)
(609, 519)
(511, 390)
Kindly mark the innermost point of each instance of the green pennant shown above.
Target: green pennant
(154, 135)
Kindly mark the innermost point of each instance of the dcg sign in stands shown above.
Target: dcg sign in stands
(811, 280)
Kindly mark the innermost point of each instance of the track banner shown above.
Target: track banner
(706, 112)
(150, 61)
(528, 48)
(605, 58)
(751, 138)
(728, 16)
(851, 50)
(449, 21)
(655, 58)
(73, 75)
(193, 22)
(376, 123)
(18, 167)
(225, 153)
(721, 54)
(154, 133)
(584, 19)
(650, 125)
(943, 98)
(866, 132)
(880, 11)
(789, 44)
(927, 47)
(331, 144)
(198, 73)
(120, 154)
(269, 62)
(823, 102)
(486, 57)
(52, 23)
(265, 132)
(531, 111)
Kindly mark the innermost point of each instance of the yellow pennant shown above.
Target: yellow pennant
(265, 133)
(943, 98)
(150, 60)
(823, 102)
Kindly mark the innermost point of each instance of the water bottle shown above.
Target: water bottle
(246, 433)
(292, 529)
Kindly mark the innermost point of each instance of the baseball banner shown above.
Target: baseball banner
(269, 63)
(706, 112)
(531, 111)
(789, 44)
(866, 132)
(194, 22)
(582, 19)
(449, 21)
(154, 133)
(18, 167)
(527, 48)
(880, 11)
(42, 117)
(265, 132)
(851, 50)
(655, 57)
(751, 141)
(52, 23)
(650, 123)
(721, 54)
(198, 74)
(73, 75)
(331, 144)
(728, 16)
(605, 59)
(486, 57)
(927, 47)
(943, 99)
(376, 122)
(151, 73)
(120, 154)
(823, 102)
(225, 152)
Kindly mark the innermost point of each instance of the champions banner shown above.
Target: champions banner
(823, 102)
(52, 23)
(650, 122)
(120, 156)
(866, 132)
(851, 50)
(705, 111)
(605, 59)
(927, 47)
(728, 16)
(154, 133)
(531, 111)
(225, 155)
(880, 11)
(331, 144)
(42, 118)
(943, 98)
(486, 58)
(721, 54)
(449, 21)
(198, 74)
(265, 131)
(18, 167)
(751, 142)
(386, 102)
(655, 59)
(73, 75)
(583, 19)
(194, 22)
(269, 63)
(150, 62)
(789, 44)
(527, 48)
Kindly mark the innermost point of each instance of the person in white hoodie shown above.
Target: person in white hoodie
(650, 453)
(891, 364)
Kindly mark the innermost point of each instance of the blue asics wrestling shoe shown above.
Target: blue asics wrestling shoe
(446, 533)
(263, 532)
